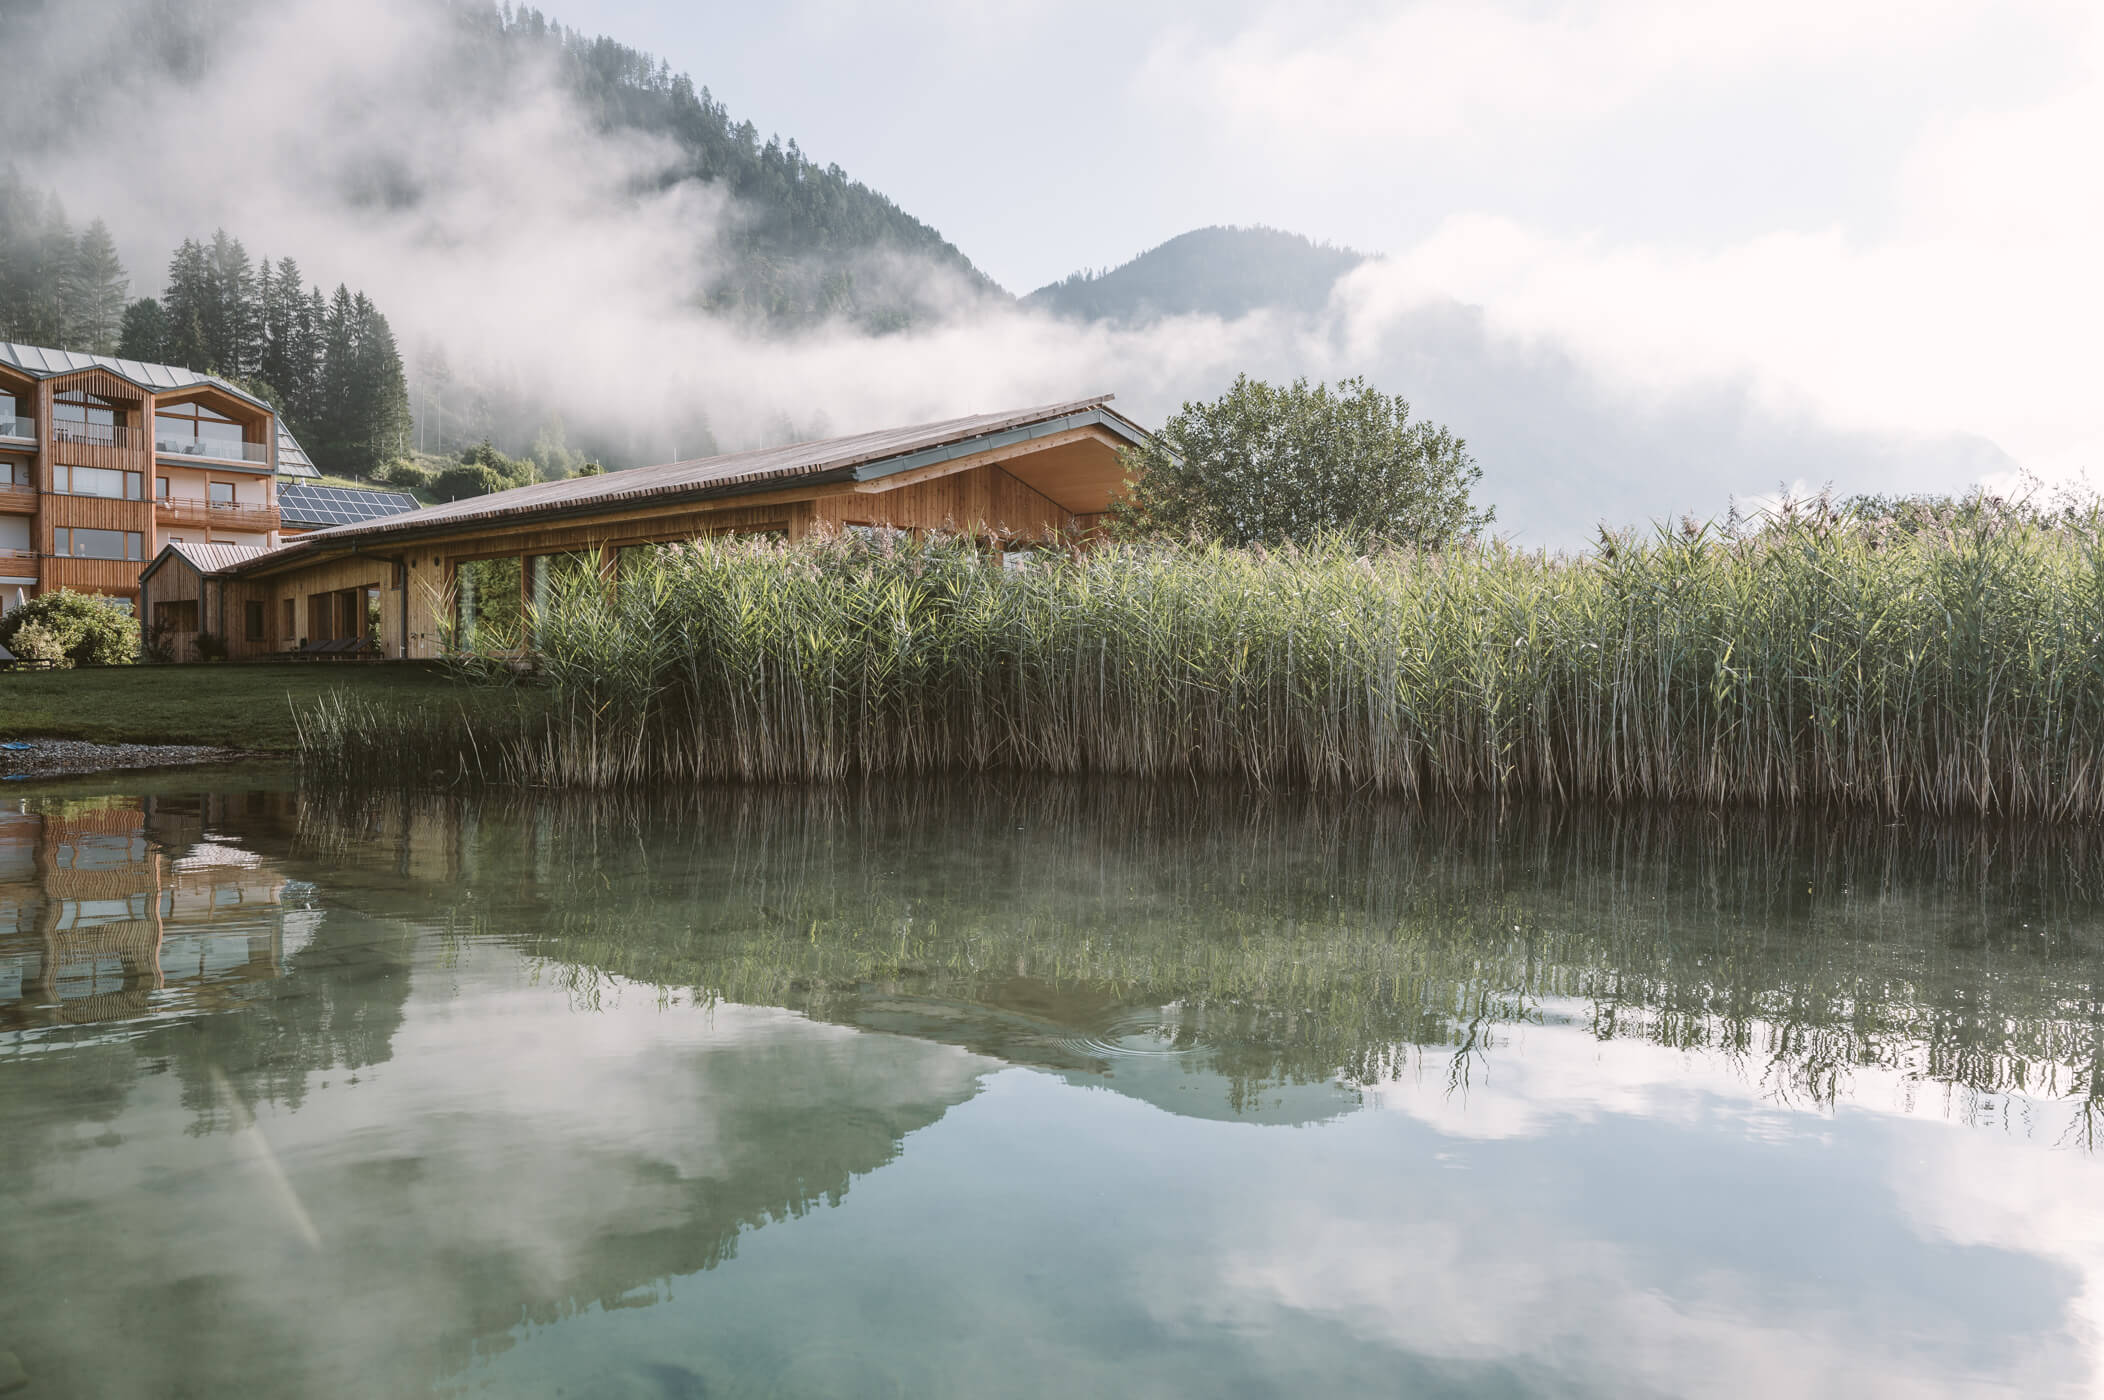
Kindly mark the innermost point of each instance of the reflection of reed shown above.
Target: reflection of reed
(1311, 937)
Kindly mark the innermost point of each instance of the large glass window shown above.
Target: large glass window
(17, 473)
(197, 431)
(83, 417)
(490, 605)
(222, 492)
(553, 575)
(106, 482)
(95, 544)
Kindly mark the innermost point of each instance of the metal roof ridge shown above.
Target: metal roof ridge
(628, 486)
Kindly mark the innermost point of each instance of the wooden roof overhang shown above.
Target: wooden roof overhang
(238, 406)
(1079, 471)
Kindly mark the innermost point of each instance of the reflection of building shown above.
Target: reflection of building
(113, 909)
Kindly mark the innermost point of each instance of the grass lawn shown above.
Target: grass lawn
(245, 706)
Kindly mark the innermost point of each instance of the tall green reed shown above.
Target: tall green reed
(1949, 666)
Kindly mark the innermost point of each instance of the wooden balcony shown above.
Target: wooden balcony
(216, 515)
(19, 500)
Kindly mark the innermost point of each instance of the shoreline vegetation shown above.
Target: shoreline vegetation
(1941, 660)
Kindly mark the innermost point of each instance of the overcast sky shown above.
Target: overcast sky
(1884, 214)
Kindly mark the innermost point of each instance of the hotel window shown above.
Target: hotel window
(196, 431)
(222, 493)
(95, 544)
(106, 482)
(17, 474)
(292, 625)
(252, 614)
(82, 417)
(160, 488)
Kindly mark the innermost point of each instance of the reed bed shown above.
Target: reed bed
(1946, 664)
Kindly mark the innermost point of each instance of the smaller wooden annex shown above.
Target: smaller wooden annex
(390, 585)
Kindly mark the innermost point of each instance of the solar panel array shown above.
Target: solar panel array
(301, 504)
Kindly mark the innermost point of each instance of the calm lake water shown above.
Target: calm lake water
(1037, 1091)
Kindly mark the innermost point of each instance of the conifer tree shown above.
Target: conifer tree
(145, 332)
(97, 297)
(380, 392)
(187, 307)
(230, 309)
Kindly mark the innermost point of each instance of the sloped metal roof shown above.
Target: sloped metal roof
(42, 362)
(292, 458)
(310, 507)
(857, 457)
(207, 558)
(46, 363)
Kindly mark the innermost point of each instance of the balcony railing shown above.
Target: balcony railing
(95, 434)
(213, 451)
(230, 514)
(16, 555)
(18, 495)
(18, 428)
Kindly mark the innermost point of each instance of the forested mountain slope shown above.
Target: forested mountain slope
(801, 241)
(810, 242)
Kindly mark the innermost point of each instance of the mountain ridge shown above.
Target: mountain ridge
(1220, 270)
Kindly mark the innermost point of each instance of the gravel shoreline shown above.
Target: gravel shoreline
(54, 758)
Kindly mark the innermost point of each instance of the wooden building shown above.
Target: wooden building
(397, 582)
(104, 460)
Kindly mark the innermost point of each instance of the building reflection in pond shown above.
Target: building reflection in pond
(117, 908)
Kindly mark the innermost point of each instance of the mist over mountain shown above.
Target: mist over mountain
(798, 242)
(581, 251)
(1217, 271)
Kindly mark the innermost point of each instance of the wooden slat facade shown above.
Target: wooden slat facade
(1020, 492)
(133, 451)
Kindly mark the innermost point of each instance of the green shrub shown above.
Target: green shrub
(458, 483)
(33, 641)
(84, 629)
(405, 475)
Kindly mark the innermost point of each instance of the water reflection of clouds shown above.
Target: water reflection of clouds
(1553, 1069)
(1892, 1175)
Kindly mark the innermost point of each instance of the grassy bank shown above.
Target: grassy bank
(1950, 666)
(245, 707)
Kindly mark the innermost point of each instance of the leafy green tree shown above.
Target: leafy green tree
(72, 629)
(481, 470)
(1273, 465)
